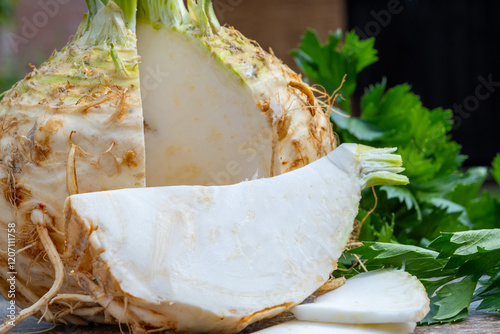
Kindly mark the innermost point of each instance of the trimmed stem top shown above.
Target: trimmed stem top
(129, 8)
(380, 167)
(174, 14)
(108, 24)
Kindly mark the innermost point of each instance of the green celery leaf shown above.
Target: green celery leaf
(496, 168)
(443, 245)
(429, 318)
(489, 293)
(418, 261)
(454, 298)
(467, 187)
(434, 221)
(359, 128)
(438, 187)
(490, 302)
(420, 134)
(327, 64)
(360, 52)
(470, 242)
(431, 285)
(7, 11)
(484, 212)
(374, 94)
(375, 228)
(480, 264)
(452, 207)
(488, 284)
(404, 195)
(322, 63)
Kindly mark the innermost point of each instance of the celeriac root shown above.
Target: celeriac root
(72, 297)
(72, 319)
(81, 312)
(307, 91)
(361, 263)
(26, 292)
(159, 330)
(115, 308)
(19, 251)
(37, 217)
(71, 179)
(330, 99)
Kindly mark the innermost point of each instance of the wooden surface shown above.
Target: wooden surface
(479, 322)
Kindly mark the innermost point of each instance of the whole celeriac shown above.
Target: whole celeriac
(82, 122)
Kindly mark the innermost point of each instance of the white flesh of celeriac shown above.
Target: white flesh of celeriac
(217, 108)
(382, 296)
(216, 259)
(219, 135)
(305, 327)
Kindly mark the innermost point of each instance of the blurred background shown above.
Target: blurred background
(446, 50)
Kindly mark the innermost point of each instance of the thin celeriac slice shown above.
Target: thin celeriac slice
(216, 259)
(381, 296)
(305, 327)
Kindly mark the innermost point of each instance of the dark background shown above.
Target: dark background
(441, 48)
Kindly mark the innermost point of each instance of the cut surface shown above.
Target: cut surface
(304, 327)
(202, 122)
(218, 109)
(382, 296)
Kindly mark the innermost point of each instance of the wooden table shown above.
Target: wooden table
(479, 322)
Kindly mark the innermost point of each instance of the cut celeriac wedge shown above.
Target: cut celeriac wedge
(304, 327)
(382, 296)
(216, 259)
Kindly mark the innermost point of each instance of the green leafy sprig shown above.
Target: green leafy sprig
(450, 268)
(439, 227)
(441, 197)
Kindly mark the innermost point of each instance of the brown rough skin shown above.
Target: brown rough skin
(68, 120)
